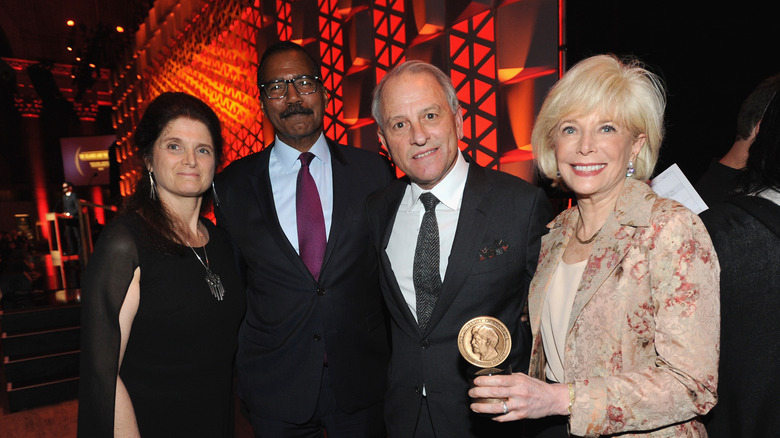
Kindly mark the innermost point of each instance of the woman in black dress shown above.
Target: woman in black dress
(161, 297)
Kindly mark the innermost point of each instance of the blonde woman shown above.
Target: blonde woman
(624, 306)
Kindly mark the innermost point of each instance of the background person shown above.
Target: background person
(158, 334)
(746, 233)
(624, 306)
(17, 268)
(719, 181)
(70, 208)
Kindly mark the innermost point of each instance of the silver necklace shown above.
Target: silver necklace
(212, 279)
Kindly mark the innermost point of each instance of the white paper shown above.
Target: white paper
(672, 183)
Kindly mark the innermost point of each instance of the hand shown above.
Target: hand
(525, 397)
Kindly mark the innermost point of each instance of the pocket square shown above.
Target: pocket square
(496, 249)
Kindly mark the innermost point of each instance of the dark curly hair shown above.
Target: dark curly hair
(164, 109)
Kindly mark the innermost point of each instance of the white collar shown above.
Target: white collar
(288, 155)
(449, 190)
(770, 194)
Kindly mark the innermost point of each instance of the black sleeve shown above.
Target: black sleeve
(104, 286)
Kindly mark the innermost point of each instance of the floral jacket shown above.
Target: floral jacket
(643, 339)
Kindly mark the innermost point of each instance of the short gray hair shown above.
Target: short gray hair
(413, 67)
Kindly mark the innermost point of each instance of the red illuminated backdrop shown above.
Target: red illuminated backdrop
(501, 55)
(473, 72)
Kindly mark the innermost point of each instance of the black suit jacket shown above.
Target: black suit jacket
(744, 232)
(292, 320)
(496, 207)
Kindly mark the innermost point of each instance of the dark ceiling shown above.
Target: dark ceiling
(36, 30)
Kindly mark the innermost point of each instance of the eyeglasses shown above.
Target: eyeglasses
(278, 89)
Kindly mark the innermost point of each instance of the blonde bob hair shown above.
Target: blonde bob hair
(622, 90)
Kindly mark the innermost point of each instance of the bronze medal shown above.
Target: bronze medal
(484, 341)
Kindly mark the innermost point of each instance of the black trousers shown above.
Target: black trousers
(328, 418)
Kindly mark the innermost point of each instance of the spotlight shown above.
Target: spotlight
(120, 29)
(70, 23)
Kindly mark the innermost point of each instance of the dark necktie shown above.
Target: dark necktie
(425, 271)
(311, 223)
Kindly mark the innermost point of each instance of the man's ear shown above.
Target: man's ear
(459, 122)
(384, 142)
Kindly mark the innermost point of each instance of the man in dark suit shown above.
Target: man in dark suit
(313, 348)
(489, 229)
(70, 208)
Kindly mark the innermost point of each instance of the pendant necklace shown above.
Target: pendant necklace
(212, 279)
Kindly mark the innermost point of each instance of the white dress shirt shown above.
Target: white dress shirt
(283, 167)
(403, 239)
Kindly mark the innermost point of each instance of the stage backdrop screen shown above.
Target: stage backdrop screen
(85, 159)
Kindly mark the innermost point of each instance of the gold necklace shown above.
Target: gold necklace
(212, 279)
(592, 238)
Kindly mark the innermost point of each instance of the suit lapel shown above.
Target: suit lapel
(386, 216)
(260, 182)
(632, 211)
(342, 196)
(393, 201)
(605, 257)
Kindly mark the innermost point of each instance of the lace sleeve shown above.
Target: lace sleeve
(103, 288)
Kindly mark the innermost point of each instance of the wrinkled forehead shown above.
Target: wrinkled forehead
(420, 88)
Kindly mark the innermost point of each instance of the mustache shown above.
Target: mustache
(295, 109)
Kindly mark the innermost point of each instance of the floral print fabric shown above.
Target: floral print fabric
(643, 338)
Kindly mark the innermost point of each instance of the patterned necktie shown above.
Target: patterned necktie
(425, 271)
(311, 223)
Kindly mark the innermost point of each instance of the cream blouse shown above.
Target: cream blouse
(555, 315)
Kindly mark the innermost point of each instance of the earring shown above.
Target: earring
(152, 193)
(214, 190)
(630, 171)
(557, 173)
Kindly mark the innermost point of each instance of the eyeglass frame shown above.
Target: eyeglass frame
(287, 83)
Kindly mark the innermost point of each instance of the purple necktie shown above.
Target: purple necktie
(311, 222)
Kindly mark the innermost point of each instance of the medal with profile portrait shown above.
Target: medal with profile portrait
(484, 341)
